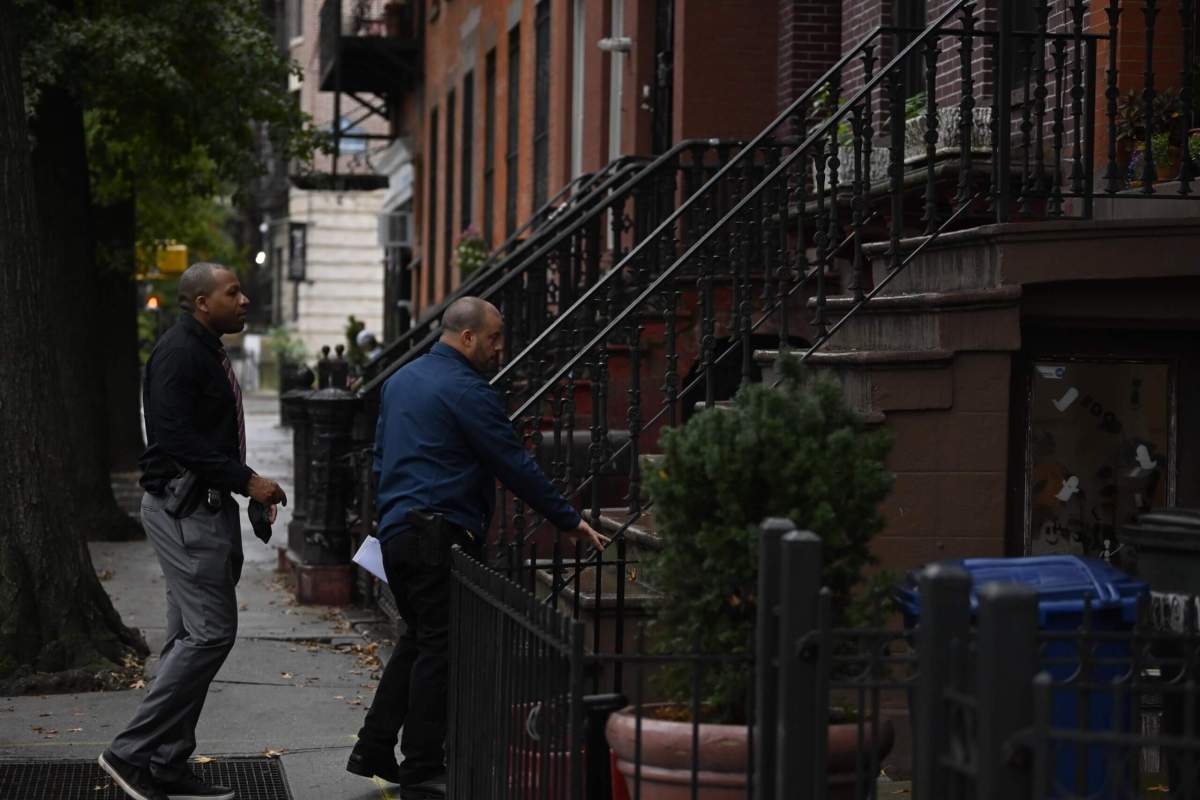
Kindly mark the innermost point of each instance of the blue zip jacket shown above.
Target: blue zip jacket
(442, 441)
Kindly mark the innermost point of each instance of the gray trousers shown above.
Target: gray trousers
(201, 559)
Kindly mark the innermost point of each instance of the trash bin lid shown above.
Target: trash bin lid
(1165, 528)
(1062, 584)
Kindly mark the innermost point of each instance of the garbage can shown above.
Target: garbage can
(1063, 584)
(1163, 549)
(1166, 545)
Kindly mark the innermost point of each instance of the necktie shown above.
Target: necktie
(237, 397)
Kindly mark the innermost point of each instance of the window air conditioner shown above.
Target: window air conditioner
(395, 229)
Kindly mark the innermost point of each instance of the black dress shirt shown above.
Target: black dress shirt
(191, 413)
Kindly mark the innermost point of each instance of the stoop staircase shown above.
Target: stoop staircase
(856, 232)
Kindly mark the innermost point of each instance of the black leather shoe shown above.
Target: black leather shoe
(134, 781)
(370, 765)
(189, 787)
(430, 789)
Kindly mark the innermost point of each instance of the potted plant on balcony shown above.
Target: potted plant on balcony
(797, 451)
(470, 252)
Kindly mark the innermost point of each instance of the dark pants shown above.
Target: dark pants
(412, 691)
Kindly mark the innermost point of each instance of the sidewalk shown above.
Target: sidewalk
(297, 683)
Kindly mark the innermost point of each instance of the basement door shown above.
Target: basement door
(1099, 450)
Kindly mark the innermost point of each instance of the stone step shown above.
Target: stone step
(987, 319)
(878, 381)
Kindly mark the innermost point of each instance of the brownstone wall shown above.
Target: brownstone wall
(726, 68)
(810, 41)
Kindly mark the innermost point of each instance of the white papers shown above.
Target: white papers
(370, 558)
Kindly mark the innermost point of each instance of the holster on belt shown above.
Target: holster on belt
(435, 536)
(183, 495)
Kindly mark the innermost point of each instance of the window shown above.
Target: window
(616, 72)
(578, 50)
(541, 106)
(911, 14)
(489, 146)
(432, 231)
(468, 144)
(297, 250)
(448, 241)
(295, 18)
(512, 143)
(1098, 451)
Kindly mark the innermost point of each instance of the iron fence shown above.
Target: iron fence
(994, 703)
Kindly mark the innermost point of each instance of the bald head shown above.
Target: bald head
(198, 279)
(474, 327)
(467, 313)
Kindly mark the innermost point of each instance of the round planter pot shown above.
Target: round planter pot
(723, 759)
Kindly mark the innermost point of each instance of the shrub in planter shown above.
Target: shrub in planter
(797, 451)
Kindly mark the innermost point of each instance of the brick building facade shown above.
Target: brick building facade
(576, 105)
(515, 98)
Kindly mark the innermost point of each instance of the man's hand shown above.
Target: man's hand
(265, 491)
(598, 540)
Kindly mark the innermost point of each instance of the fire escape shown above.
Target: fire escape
(370, 60)
(370, 52)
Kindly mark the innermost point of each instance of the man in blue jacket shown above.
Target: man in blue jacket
(442, 440)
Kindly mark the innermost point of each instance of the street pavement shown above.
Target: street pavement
(296, 685)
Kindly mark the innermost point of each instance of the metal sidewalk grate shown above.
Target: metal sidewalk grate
(75, 779)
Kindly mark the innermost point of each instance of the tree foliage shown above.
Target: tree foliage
(797, 451)
(176, 94)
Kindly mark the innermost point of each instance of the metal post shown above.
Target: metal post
(945, 617)
(1004, 71)
(1007, 663)
(799, 597)
(766, 686)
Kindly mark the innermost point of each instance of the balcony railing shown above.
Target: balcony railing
(369, 46)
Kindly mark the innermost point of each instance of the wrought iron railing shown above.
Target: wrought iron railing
(774, 246)
(995, 700)
(580, 192)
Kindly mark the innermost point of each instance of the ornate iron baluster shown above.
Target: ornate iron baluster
(1040, 93)
(895, 84)
(1025, 202)
(633, 415)
(1149, 173)
(930, 217)
(671, 374)
(1078, 172)
(966, 105)
(858, 206)
(750, 216)
(707, 321)
(821, 238)
(1055, 207)
(1112, 171)
(1187, 167)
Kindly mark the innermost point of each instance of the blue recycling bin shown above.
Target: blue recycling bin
(1063, 584)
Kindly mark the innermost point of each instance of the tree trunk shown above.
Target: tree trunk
(117, 307)
(54, 614)
(60, 173)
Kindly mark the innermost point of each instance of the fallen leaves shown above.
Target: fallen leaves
(203, 759)
(105, 574)
(270, 753)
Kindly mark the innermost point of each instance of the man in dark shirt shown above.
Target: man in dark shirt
(194, 423)
(442, 441)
